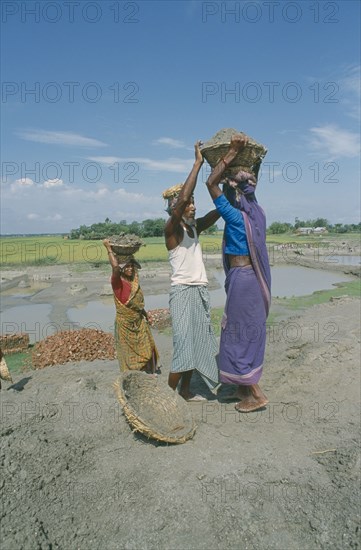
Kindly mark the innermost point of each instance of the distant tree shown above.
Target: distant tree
(278, 227)
(320, 222)
(299, 223)
(74, 234)
(135, 228)
(340, 228)
(153, 228)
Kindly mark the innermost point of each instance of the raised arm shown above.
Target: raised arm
(238, 142)
(112, 259)
(173, 225)
(207, 220)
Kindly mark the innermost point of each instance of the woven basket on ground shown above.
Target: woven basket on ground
(4, 371)
(153, 409)
(249, 159)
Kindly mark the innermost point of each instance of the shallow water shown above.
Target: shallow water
(286, 281)
(340, 260)
(95, 314)
(35, 318)
(290, 281)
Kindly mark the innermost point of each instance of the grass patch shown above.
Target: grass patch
(51, 260)
(351, 288)
(19, 362)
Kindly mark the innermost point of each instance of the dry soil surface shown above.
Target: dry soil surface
(286, 477)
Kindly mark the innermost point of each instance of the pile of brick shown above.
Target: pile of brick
(14, 343)
(159, 318)
(72, 346)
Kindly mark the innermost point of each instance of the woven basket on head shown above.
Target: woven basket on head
(155, 410)
(125, 244)
(4, 371)
(249, 159)
(172, 191)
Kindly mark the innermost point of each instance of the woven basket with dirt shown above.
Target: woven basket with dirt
(248, 160)
(155, 410)
(125, 244)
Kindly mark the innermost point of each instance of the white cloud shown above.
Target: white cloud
(351, 88)
(59, 138)
(25, 182)
(335, 142)
(168, 165)
(351, 81)
(75, 206)
(173, 143)
(171, 164)
(108, 161)
(48, 184)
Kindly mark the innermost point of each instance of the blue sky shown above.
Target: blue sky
(103, 101)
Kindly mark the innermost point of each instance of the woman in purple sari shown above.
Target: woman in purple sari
(248, 281)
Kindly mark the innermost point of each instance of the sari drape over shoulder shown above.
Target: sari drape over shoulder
(248, 289)
(135, 345)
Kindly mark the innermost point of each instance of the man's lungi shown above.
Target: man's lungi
(194, 342)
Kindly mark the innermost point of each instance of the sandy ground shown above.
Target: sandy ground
(287, 477)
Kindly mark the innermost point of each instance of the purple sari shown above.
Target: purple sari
(248, 289)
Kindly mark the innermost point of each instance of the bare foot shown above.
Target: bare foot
(252, 400)
(240, 393)
(250, 405)
(192, 397)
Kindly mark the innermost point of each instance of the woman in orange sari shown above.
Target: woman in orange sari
(135, 346)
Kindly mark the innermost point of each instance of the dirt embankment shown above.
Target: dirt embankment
(75, 476)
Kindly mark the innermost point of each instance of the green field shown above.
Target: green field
(47, 250)
(55, 250)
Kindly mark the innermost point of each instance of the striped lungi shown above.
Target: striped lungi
(194, 342)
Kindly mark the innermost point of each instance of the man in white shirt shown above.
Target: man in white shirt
(194, 343)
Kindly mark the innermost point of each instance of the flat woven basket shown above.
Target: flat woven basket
(4, 371)
(249, 159)
(153, 409)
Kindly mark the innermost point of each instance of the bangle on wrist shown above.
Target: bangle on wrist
(224, 162)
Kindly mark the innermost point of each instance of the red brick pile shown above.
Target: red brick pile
(159, 318)
(70, 346)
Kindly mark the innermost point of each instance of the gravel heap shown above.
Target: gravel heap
(159, 318)
(70, 346)
(85, 344)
